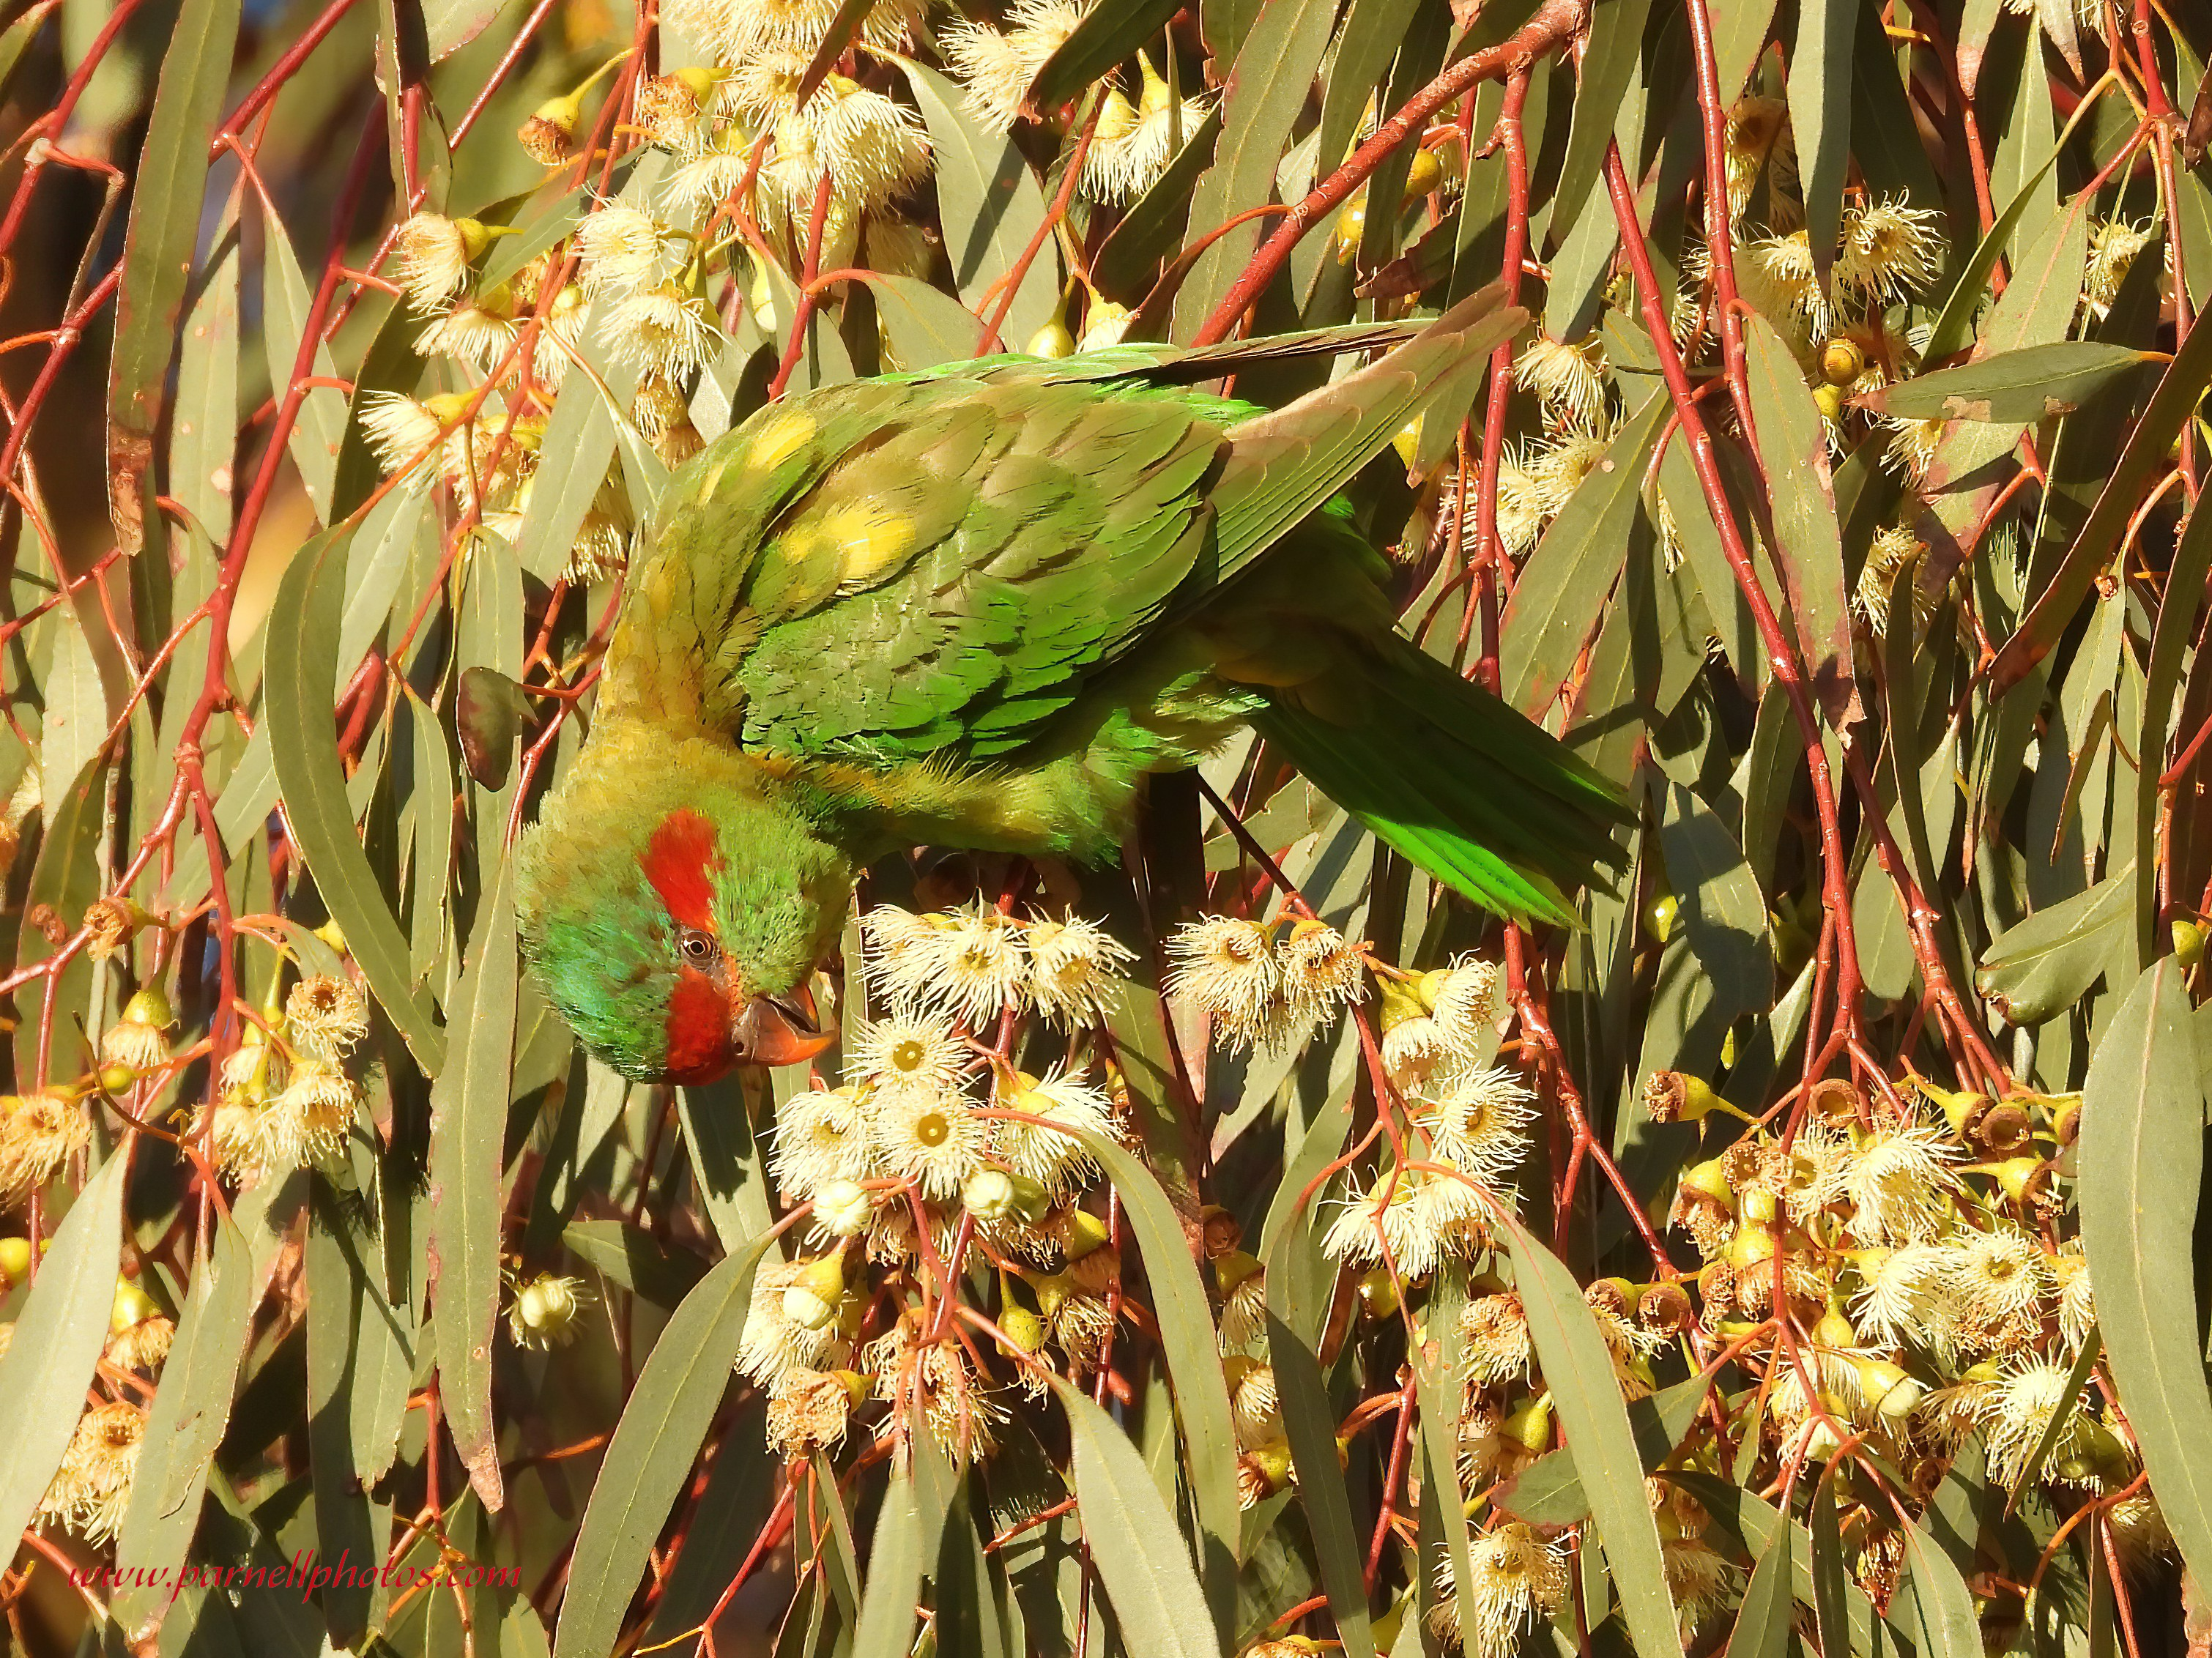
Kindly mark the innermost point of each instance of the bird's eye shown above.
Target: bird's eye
(697, 946)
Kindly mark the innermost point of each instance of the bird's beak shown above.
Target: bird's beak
(778, 1030)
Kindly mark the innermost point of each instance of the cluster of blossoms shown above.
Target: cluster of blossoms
(757, 189)
(1131, 142)
(90, 1490)
(1264, 985)
(1917, 1250)
(937, 1148)
(285, 1099)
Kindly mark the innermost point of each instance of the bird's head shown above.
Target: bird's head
(674, 915)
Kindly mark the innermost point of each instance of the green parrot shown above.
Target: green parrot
(973, 607)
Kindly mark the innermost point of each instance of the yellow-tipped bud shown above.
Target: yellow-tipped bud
(1834, 1330)
(1759, 1207)
(1889, 1392)
(2022, 1180)
(1424, 175)
(1053, 340)
(1351, 227)
(1081, 1232)
(131, 1305)
(1659, 916)
(1841, 360)
(2187, 940)
(1750, 1249)
(1709, 1180)
(1023, 1328)
(1408, 443)
(1829, 400)
(15, 1261)
(1400, 999)
(549, 136)
(816, 1296)
(843, 1208)
(116, 1079)
(1529, 1425)
(149, 1007)
(1377, 1294)
(1232, 1269)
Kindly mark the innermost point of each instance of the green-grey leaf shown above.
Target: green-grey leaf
(1578, 1369)
(2038, 382)
(58, 1337)
(650, 1458)
(1561, 591)
(894, 1579)
(1191, 1344)
(468, 1120)
(1106, 36)
(1793, 442)
(1608, 75)
(1134, 1541)
(192, 1405)
(158, 247)
(303, 633)
(2036, 970)
(990, 207)
(2141, 1156)
(1762, 1622)
(1946, 1624)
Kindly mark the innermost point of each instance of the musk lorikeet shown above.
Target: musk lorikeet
(973, 607)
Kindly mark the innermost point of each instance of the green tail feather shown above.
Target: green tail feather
(1477, 796)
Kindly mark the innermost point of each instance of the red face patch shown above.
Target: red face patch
(679, 860)
(698, 1029)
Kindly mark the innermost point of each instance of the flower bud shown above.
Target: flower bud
(131, 1305)
(1659, 916)
(843, 1208)
(1081, 1233)
(1351, 227)
(1759, 1205)
(1529, 1425)
(1834, 1330)
(1053, 340)
(2187, 940)
(1829, 400)
(813, 1300)
(989, 1195)
(1422, 175)
(1378, 1296)
(2022, 1180)
(150, 1007)
(1023, 1328)
(1709, 1180)
(1889, 1392)
(1841, 360)
(1751, 1248)
(15, 1261)
(1233, 1268)
(1104, 323)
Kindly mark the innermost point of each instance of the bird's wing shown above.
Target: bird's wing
(935, 563)
(950, 581)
